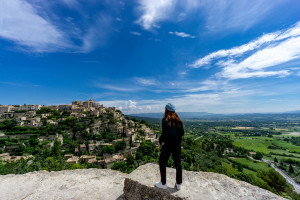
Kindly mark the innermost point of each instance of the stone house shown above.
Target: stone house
(30, 107)
(23, 118)
(86, 158)
(52, 138)
(101, 163)
(73, 159)
(110, 160)
(19, 115)
(117, 140)
(6, 109)
(82, 148)
(45, 115)
(5, 157)
(137, 143)
(11, 148)
(53, 107)
(78, 103)
(66, 107)
(99, 142)
(49, 121)
(131, 123)
(75, 114)
(105, 144)
(92, 147)
(67, 156)
(30, 113)
(36, 122)
(93, 161)
(7, 115)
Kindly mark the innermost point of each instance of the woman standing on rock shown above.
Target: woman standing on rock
(170, 139)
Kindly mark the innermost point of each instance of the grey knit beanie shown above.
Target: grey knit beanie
(170, 107)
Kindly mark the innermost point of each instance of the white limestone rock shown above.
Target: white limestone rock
(196, 186)
(106, 184)
(77, 184)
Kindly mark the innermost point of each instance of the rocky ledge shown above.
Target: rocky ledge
(107, 184)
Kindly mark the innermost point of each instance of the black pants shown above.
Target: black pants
(163, 160)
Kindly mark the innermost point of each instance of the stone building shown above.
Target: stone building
(66, 107)
(5, 109)
(30, 107)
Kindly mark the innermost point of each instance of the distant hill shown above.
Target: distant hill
(205, 115)
(183, 115)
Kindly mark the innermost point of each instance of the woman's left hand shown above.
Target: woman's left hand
(163, 143)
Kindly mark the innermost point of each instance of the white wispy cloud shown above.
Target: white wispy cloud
(182, 34)
(29, 25)
(146, 81)
(235, 51)
(135, 33)
(74, 4)
(124, 105)
(95, 34)
(20, 23)
(118, 88)
(208, 85)
(233, 100)
(205, 102)
(236, 15)
(19, 84)
(153, 11)
(254, 58)
(218, 16)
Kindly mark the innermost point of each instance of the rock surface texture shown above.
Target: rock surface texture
(70, 184)
(105, 184)
(196, 186)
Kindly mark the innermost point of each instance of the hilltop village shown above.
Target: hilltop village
(84, 132)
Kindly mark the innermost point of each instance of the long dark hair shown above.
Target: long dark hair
(172, 119)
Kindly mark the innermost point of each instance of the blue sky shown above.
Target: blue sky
(201, 55)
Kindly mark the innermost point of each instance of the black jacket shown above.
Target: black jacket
(172, 136)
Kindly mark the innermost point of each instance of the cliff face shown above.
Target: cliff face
(107, 184)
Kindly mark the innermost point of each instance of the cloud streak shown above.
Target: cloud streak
(253, 59)
(146, 81)
(187, 102)
(235, 15)
(135, 33)
(218, 16)
(182, 34)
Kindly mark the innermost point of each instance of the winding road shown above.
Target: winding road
(288, 178)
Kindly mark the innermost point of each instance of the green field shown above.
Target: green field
(261, 144)
(256, 166)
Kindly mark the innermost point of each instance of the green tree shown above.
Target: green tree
(273, 179)
(245, 177)
(291, 169)
(258, 156)
(130, 160)
(108, 149)
(146, 148)
(8, 124)
(56, 149)
(120, 145)
(239, 167)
